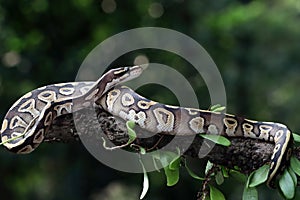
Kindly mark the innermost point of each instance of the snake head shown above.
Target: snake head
(124, 74)
(119, 75)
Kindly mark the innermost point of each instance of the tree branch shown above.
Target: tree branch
(247, 154)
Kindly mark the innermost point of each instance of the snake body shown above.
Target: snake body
(31, 116)
(29, 119)
(173, 120)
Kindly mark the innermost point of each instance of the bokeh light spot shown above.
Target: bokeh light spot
(141, 59)
(11, 59)
(108, 6)
(156, 10)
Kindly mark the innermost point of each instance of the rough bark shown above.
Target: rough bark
(247, 154)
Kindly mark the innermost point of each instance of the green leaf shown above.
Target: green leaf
(295, 165)
(215, 194)
(238, 176)
(225, 171)
(142, 150)
(145, 182)
(250, 193)
(172, 170)
(296, 137)
(219, 178)
(131, 133)
(166, 157)
(258, 176)
(286, 185)
(156, 159)
(293, 175)
(208, 167)
(218, 139)
(192, 174)
(163, 159)
(217, 108)
(171, 175)
(175, 163)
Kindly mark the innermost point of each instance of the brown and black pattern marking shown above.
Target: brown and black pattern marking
(30, 117)
(159, 118)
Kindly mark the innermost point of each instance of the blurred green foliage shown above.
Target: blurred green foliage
(255, 44)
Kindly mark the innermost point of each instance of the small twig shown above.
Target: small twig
(156, 144)
(205, 189)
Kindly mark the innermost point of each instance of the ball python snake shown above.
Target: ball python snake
(28, 120)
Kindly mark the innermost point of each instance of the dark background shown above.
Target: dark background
(255, 45)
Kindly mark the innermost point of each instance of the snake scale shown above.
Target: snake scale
(29, 119)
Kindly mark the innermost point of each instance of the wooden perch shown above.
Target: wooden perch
(247, 154)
